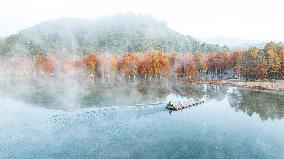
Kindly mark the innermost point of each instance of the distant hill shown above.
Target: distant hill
(233, 43)
(118, 33)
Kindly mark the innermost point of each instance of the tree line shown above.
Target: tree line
(250, 64)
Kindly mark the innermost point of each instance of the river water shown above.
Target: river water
(119, 121)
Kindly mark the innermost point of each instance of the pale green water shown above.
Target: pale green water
(114, 121)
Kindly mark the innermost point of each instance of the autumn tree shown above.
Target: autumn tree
(261, 68)
(190, 67)
(180, 66)
(47, 63)
(172, 58)
(212, 63)
(155, 65)
(160, 64)
(105, 65)
(164, 64)
(281, 57)
(235, 58)
(226, 60)
(68, 66)
(130, 64)
(253, 63)
(92, 64)
(178, 70)
(116, 63)
(144, 67)
(249, 63)
(200, 62)
(273, 60)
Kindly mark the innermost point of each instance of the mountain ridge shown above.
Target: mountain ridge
(112, 34)
(233, 42)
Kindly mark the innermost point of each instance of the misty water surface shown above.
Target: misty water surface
(129, 120)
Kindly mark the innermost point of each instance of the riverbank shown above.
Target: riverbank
(262, 85)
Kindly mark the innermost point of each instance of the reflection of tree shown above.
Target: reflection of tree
(266, 105)
(73, 94)
(154, 89)
(142, 88)
(188, 90)
(215, 92)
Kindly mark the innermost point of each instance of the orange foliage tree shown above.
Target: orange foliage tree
(190, 67)
(144, 67)
(164, 64)
(212, 63)
(200, 62)
(273, 61)
(116, 63)
(47, 63)
(92, 63)
(235, 62)
(249, 63)
(253, 63)
(160, 64)
(130, 64)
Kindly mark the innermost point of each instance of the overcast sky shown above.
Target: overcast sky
(247, 19)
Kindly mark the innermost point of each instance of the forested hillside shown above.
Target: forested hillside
(113, 34)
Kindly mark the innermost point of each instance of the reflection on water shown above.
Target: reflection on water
(266, 105)
(119, 120)
(105, 94)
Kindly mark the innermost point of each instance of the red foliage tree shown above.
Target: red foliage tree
(235, 62)
(144, 67)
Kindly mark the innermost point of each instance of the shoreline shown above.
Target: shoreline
(259, 85)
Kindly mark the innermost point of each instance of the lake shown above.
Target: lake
(112, 120)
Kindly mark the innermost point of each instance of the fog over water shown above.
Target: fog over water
(92, 79)
(69, 117)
